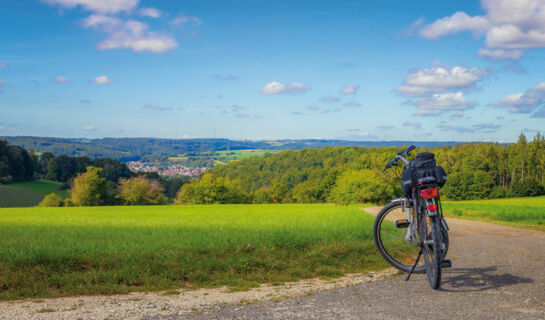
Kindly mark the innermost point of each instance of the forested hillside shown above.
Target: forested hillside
(154, 149)
(354, 174)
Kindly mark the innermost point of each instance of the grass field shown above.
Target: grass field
(28, 194)
(91, 250)
(518, 212)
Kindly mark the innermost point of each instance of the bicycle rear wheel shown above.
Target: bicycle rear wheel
(430, 232)
(390, 239)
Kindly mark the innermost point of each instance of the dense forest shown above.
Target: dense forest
(154, 149)
(354, 174)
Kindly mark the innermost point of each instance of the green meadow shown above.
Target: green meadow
(28, 194)
(518, 212)
(107, 250)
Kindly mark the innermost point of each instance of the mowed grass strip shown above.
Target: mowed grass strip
(29, 193)
(519, 212)
(106, 250)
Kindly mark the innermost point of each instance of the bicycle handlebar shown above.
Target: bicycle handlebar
(400, 156)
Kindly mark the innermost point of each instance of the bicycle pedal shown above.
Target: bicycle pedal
(402, 223)
(446, 264)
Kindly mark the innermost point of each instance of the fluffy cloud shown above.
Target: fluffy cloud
(509, 26)
(352, 104)
(421, 82)
(150, 12)
(439, 88)
(101, 80)
(288, 88)
(89, 128)
(525, 102)
(102, 6)
(129, 34)
(350, 89)
(60, 79)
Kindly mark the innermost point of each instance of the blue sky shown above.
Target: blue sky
(360, 70)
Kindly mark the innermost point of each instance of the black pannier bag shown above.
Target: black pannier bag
(422, 170)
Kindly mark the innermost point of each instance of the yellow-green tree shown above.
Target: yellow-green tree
(141, 191)
(89, 188)
(211, 189)
(52, 200)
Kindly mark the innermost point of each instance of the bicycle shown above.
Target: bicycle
(414, 225)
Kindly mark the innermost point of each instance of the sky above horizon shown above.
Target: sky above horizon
(356, 70)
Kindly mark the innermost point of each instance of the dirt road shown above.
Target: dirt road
(498, 273)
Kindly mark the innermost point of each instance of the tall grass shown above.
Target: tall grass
(521, 212)
(64, 251)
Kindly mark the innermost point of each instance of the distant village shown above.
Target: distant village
(169, 169)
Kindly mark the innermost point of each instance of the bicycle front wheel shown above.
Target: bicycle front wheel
(390, 233)
(430, 233)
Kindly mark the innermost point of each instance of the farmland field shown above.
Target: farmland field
(518, 212)
(28, 194)
(91, 250)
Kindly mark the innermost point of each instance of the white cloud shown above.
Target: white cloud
(181, 19)
(525, 102)
(288, 88)
(352, 104)
(150, 12)
(102, 6)
(350, 89)
(3, 64)
(444, 101)
(459, 129)
(501, 54)
(421, 82)
(129, 34)
(60, 79)
(89, 128)
(101, 80)
(510, 27)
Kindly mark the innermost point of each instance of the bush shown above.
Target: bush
(307, 192)
(364, 186)
(528, 187)
(499, 192)
(52, 200)
(210, 189)
(468, 186)
(262, 196)
(141, 191)
(90, 188)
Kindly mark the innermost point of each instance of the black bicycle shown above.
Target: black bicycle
(413, 225)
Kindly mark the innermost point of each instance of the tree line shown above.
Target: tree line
(354, 174)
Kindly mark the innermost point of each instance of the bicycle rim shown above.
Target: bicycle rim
(390, 240)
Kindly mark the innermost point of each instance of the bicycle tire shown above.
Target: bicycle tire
(432, 253)
(380, 234)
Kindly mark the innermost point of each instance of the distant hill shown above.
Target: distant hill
(150, 149)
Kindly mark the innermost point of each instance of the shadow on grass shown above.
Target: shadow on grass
(479, 279)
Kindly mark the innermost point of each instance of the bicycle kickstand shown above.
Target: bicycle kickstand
(414, 265)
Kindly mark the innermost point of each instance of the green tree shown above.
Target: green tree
(52, 200)
(364, 186)
(89, 188)
(141, 191)
(210, 189)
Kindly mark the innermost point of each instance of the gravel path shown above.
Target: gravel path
(498, 273)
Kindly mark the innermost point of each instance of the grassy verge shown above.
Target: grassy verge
(28, 194)
(106, 250)
(519, 212)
